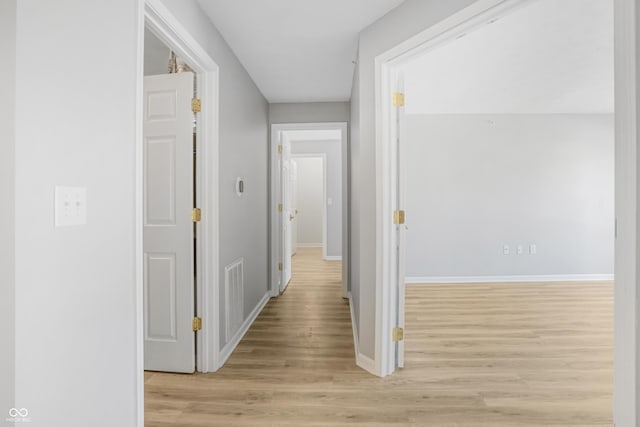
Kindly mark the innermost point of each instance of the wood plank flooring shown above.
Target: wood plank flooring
(477, 355)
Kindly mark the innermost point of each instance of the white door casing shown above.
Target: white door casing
(294, 206)
(169, 340)
(287, 215)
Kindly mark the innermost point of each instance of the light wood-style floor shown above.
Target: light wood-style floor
(477, 355)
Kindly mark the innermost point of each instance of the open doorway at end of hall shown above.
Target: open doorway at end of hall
(308, 197)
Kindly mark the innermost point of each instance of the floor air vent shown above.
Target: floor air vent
(234, 297)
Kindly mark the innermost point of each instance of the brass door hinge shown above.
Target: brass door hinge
(196, 324)
(280, 207)
(398, 99)
(398, 217)
(196, 215)
(280, 149)
(397, 335)
(196, 105)
(279, 266)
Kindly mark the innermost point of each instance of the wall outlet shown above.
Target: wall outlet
(533, 249)
(520, 250)
(70, 206)
(505, 250)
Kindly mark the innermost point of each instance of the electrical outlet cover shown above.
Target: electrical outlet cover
(70, 206)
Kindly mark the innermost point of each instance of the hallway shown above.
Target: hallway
(500, 355)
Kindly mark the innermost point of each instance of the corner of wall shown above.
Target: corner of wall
(7, 207)
(362, 361)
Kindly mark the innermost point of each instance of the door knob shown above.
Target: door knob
(291, 217)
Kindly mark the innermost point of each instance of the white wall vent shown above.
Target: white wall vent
(234, 297)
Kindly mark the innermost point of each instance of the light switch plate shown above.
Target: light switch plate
(70, 206)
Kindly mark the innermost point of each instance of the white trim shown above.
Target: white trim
(626, 398)
(510, 279)
(237, 337)
(333, 258)
(387, 65)
(159, 20)
(325, 210)
(139, 213)
(309, 245)
(275, 253)
(365, 362)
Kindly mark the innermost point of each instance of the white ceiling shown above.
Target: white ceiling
(297, 50)
(550, 56)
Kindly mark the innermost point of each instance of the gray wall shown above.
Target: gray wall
(309, 200)
(310, 112)
(7, 207)
(476, 182)
(156, 55)
(243, 130)
(354, 202)
(75, 358)
(332, 149)
(400, 24)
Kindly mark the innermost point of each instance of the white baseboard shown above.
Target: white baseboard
(333, 258)
(510, 279)
(309, 245)
(365, 362)
(237, 337)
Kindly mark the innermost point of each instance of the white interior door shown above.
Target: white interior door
(287, 216)
(400, 206)
(169, 343)
(294, 206)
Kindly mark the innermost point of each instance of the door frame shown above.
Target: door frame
(325, 215)
(155, 16)
(387, 68)
(276, 234)
(626, 375)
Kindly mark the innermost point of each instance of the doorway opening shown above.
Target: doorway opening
(485, 173)
(308, 196)
(177, 183)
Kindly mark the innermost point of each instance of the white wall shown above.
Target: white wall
(243, 153)
(335, 188)
(75, 287)
(7, 207)
(476, 182)
(310, 200)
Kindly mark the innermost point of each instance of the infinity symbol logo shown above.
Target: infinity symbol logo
(15, 412)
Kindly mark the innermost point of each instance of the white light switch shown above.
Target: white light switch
(505, 250)
(520, 250)
(70, 206)
(533, 249)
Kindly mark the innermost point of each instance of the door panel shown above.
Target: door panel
(160, 286)
(168, 229)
